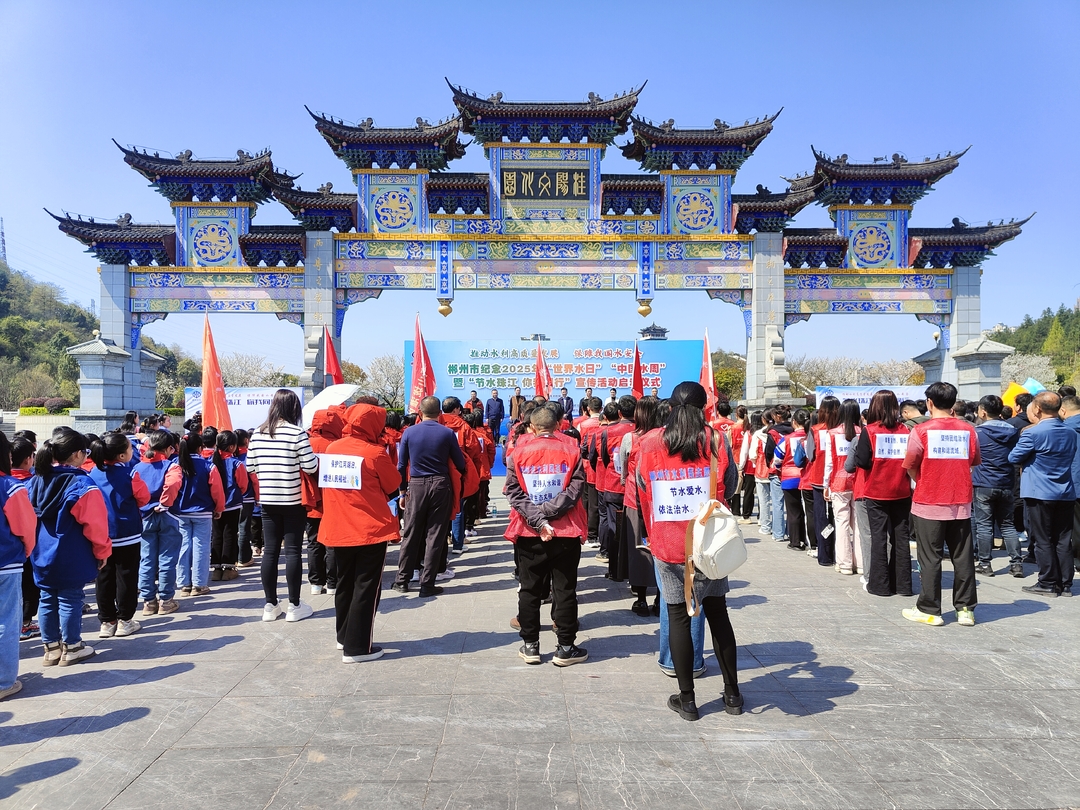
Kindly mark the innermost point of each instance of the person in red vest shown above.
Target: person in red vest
(742, 502)
(881, 479)
(587, 427)
(609, 485)
(673, 479)
(940, 455)
(791, 478)
(818, 516)
(838, 489)
(544, 484)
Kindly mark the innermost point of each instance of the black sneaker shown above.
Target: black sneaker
(400, 587)
(530, 652)
(733, 704)
(686, 709)
(568, 656)
(641, 608)
(984, 569)
(434, 590)
(1017, 570)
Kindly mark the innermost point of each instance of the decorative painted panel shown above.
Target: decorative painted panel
(698, 203)
(877, 235)
(210, 233)
(556, 187)
(393, 202)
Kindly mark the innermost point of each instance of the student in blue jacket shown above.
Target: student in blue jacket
(201, 498)
(72, 543)
(117, 587)
(160, 529)
(18, 525)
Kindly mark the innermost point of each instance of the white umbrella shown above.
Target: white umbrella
(327, 398)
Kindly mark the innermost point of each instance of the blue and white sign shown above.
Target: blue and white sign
(247, 406)
(481, 365)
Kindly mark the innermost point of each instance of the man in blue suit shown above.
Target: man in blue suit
(1045, 452)
(494, 413)
(567, 405)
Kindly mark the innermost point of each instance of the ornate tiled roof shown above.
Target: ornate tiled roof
(663, 146)
(768, 212)
(450, 192)
(273, 245)
(365, 146)
(961, 245)
(121, 241)
(885, 180)
(318, 210)
(636, 193)
(814, 247)
(597, 120)
(184, 177)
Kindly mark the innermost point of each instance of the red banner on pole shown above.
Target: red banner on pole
(708, 382)
(331, 366)
(423, 375)
(215, 407)
(637, 387)
(544, 381)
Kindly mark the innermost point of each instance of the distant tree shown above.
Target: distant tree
(35, 382)
(730, 381)
(240, 370)
(1019, 367)
(353, 374)
(386, 380)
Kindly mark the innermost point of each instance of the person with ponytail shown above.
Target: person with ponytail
(72, 543)
(22, 468)
(160, 548)
(117, 588)
(639, 562)
(225, 544)
(200, 500)
(18, 526)
(760, 463)
(684, 451)
(882, 479)
(839, 485)
(818, 515)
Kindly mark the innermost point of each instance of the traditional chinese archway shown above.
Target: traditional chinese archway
(544, 217)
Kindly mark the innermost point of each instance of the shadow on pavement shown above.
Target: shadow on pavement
(69, 726)
(11, 781)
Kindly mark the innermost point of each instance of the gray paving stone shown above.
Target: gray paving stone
(847, 704)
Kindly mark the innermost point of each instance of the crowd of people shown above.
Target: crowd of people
(152, 515)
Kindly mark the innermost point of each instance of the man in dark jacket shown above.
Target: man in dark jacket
(494, 413)
(567, 404)
(993, 483)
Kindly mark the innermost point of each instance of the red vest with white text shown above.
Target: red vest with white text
(887, 479)
(544, 466)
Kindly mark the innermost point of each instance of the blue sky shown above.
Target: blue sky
(862, 78)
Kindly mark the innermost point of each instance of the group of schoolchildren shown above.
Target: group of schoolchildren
(143, 513)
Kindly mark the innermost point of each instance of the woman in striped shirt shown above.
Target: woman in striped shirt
(278, 454)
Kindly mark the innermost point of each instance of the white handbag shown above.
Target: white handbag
(714, 542)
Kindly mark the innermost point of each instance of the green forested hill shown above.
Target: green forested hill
(1053, 334)
(37, 324)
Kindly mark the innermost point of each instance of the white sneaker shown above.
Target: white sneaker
(376, 652)
(592, 544)
(126, 628)
(316, 590)
(470, 533)
(108, 630)
(331, 591)
(271, 612)
(457, 550)
(445, 575)
(297, 612)
(811, 552)
(340, 646)
(415, 576)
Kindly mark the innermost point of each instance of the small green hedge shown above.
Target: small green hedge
(43, 412)
(173, 411)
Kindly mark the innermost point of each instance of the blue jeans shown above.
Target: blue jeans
(60, 615)
(10, 625)
(779, 517)
(160, 550)
(194, 562)
(457, 527)
(697, 632)
(993, 505)
(764, 507)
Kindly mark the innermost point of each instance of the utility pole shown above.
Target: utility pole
(3, 243)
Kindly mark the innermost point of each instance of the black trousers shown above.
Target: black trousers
(611, 506)
(358, 571)
(592, 510)
(245, 533)
(427, 515)
(224, 541)
(826, 546)
(1075, 541)
(1050, 527)
(485, 496)
(639, 562)
(682, 645)
(889, 569)
(796, 518)
(557, 560)
(742, 502)
(116, 589)
(321, 567)
(283, 528)
(31, 594)
(931, 538)
(470, 508)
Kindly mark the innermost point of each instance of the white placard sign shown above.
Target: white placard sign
(339, 472)
(948, 444)
(543, 482)
(890, 445)
(678, 498)
(843, 446)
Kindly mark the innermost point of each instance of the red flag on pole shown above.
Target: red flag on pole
(215, 407)
(637, 388)
(544, 383)
(423, 375)
(708, 382)
(331, 366)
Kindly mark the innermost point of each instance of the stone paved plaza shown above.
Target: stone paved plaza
(848, 704)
